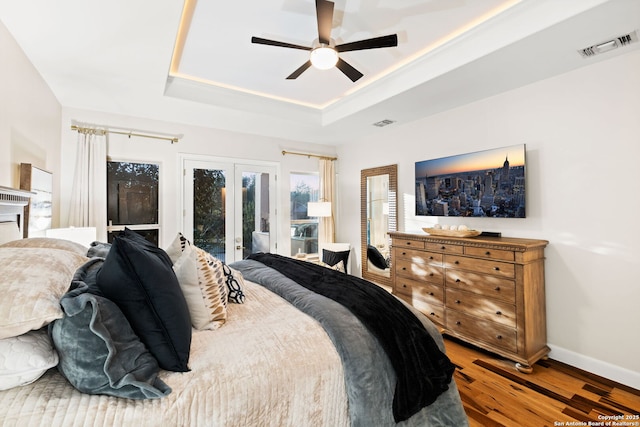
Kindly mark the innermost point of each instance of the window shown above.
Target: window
(132, 199)
(305, 188)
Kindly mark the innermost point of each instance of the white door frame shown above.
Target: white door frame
(234, 168)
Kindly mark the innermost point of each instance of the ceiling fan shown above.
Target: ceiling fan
(324, 54)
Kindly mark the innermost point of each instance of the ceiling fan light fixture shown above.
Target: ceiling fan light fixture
(324, 54)
(324, 57)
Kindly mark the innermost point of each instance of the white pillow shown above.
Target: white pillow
(175, 249)
(32, 282)
(338, 267)
(202, 282)
(25, 358)
(212, 283)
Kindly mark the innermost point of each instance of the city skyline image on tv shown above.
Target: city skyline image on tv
(489, 183)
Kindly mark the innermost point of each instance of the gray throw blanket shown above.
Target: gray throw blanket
(99, 352)
(369, 377)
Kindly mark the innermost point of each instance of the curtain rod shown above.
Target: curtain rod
(309, 155)
(173, 139)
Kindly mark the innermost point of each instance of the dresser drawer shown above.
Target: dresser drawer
(406, 243)
(419, 256)
(497, 254)
(481, 330)
(470, 303)
(444, 248)
(496, 268)
(483, 284)
(425, 291)
(435, 312)
(426, 272)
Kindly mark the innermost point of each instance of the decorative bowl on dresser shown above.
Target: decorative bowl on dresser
(487, 291)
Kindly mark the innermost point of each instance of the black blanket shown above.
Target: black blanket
(423, 371)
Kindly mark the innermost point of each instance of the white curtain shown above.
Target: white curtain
(326, 232)
(89, 192)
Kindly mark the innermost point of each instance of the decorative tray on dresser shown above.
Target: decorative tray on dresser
(488, 291)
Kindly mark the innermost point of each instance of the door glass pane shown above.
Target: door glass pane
(305, 188)
(209, 220)
(255, 213)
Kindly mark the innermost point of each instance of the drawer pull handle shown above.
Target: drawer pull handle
(487, 253)
(457, 301)
(499, 313)
(431, 293)
(404, 268)
(404, 286)
(497, 288)
(457, 280)
(408, 243)
(430, 257)
(496, 268)
(430, 274)
(432, 313)
(404, 253)
(458, 323)
(456, 262)
(499, 337)
(443, 247)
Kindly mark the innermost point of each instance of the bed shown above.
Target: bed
(262, 350)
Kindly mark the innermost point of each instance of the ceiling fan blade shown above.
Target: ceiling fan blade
(374, 43)
(299, 71)
(324, 14)
(258, 40)
(348, 70)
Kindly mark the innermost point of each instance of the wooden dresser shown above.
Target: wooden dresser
(488, 291)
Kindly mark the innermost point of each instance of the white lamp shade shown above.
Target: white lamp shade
(319, 209)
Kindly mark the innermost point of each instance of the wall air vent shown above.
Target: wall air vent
(608, 45)
(383, 123)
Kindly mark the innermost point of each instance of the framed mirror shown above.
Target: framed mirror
(378, 216)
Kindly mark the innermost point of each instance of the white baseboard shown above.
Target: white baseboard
(595, 366)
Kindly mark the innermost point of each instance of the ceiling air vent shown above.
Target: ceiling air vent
(383, 123)
(608, 45)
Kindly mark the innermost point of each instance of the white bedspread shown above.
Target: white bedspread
(269, 365)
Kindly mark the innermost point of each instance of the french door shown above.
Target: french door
(229, 208)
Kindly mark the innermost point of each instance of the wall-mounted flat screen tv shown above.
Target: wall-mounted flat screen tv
(488, 183)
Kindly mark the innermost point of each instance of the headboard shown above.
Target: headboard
(12, 203)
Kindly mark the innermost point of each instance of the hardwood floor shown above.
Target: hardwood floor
(494, 393)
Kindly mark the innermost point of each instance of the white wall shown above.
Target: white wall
(29, 117)
(582, 133)
(196, 140)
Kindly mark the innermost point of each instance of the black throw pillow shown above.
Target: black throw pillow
(99, 352)
(376, 258)
(332, 258)
(138, 277)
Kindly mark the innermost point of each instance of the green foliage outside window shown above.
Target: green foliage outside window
(209, 197)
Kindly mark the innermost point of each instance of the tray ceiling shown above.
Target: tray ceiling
(194, 63)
